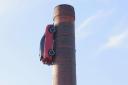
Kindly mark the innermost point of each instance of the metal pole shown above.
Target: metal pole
(64, 68)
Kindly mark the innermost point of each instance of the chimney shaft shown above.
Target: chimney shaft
(64, 68)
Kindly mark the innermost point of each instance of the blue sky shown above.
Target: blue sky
(101, 41)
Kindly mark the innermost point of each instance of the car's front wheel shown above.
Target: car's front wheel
(51, 52)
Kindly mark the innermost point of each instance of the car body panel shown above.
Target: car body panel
(47, 43)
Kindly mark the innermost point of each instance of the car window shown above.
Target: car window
(42, 43)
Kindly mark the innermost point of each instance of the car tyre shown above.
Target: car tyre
(52, 30)
(51, 52)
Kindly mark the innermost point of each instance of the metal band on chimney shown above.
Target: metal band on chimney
(63, 13)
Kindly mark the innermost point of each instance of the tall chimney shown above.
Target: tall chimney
(64, 68)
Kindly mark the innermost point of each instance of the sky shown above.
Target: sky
(101, 41)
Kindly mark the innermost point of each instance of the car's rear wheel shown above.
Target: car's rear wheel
(51, 52)
(52, 30)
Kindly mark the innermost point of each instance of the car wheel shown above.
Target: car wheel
(52, 30)
(51, 52)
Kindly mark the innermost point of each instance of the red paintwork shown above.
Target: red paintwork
(48, 44)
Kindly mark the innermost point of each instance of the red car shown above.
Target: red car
(47, 45)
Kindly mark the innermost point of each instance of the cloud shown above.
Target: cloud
(83, 31)
(117, 40)
(113, 42)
